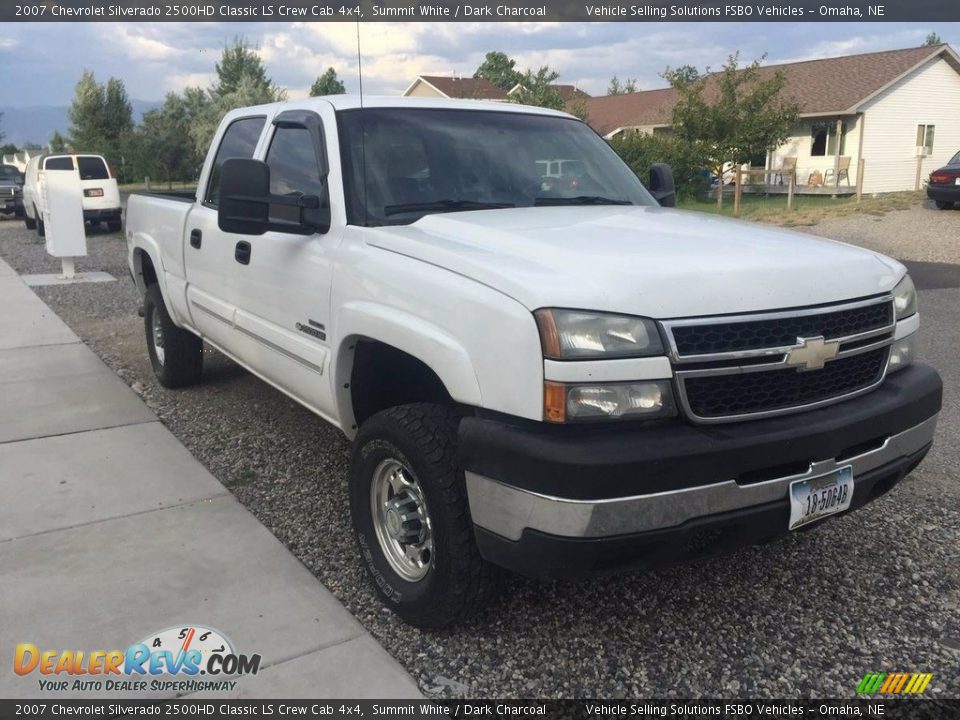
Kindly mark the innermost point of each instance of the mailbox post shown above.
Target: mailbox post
(63, 218)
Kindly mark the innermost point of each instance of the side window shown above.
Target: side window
(59, 163)
(239, 141)
(925, 138)
(294, 169)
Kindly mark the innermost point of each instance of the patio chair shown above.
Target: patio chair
(788, 168)
(842, 171)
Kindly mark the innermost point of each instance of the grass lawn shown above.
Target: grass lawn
(807, 209)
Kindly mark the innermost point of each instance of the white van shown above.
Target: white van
(101, 196)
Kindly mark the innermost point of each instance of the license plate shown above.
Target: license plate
(818, 497)
(956, 181)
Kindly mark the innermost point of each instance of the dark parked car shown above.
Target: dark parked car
(11, 191)
(944, 185)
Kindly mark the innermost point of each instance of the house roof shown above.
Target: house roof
(465, 88)
(828, 86)
(567, 92)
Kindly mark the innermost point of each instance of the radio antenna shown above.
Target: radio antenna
(363, 133)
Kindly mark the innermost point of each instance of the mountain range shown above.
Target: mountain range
(36, 124)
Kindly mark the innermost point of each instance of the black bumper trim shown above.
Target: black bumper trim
(543, 556)
(614, 461)
(109, 214)
(944, 193)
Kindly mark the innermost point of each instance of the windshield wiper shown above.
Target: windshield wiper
(444, 206)
(580, 200)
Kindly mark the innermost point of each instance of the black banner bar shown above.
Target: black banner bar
(879, 709)
(480, 10)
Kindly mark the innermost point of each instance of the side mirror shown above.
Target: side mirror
(661, 185)
(244, 197)
(246, 200)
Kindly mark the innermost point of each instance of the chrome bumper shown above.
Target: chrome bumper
(507, 511)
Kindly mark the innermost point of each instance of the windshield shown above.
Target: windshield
(402, 164)
(9, 172)
(955, 160)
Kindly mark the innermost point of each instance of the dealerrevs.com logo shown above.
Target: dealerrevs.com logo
(177, 659)
(898, 683)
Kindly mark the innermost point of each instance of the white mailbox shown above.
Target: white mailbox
(63, 215)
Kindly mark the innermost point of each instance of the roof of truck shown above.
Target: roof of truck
(353, 102)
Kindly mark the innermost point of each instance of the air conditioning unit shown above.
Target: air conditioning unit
(922, 151)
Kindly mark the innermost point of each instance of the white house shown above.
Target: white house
(898, 110)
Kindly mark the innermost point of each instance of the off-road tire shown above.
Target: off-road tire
(459, 582)
(182, 350)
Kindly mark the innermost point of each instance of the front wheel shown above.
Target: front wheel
(408, 502)
(176, 354)
(943, 204)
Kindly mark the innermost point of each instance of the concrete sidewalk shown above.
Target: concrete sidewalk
(111, 531)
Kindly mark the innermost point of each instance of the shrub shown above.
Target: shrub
(686, 159)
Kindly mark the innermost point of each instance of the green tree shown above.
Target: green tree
(640, 151)
(537, 88)
(327, 84)
(101, 118)
(87, 114)
(241, 81)
(58, 143)
(165, 149)
(239, 62)
(733, 115)
(932, 39)
(617, 88)
(500, 70)
(686, 74)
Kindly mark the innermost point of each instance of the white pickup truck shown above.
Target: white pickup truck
(545, 371)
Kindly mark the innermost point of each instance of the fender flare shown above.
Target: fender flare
(414, 335)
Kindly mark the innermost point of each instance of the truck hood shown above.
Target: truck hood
(655, 262)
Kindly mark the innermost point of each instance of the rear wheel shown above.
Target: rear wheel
(41, 230)
(408, 501)
(943, 204)
(176, 354)
(30, 223)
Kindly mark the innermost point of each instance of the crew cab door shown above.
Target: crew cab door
(212, 272)
(284, 279)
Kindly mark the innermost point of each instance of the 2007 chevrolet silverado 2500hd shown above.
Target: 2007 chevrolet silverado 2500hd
(540, 366)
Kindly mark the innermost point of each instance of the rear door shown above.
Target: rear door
(209, 255)
(100, 191)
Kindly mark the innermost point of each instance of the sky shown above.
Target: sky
(41, 62)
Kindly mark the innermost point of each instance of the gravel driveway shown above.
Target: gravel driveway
(806, 616)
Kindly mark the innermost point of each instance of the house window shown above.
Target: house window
(925, 138)
(823, 139)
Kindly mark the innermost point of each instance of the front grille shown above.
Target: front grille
(740, 335)
(718, 396)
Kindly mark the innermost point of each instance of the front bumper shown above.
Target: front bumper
(943, 193)
(552, 502)
(11, 204)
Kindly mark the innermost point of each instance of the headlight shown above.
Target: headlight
(578, 335)
(905, 298)
(902, 353)
(629, 401)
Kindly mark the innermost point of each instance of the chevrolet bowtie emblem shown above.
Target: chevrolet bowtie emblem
(812, 353)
